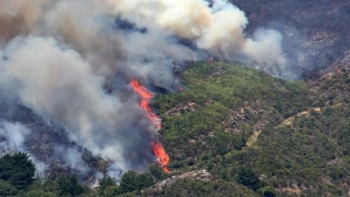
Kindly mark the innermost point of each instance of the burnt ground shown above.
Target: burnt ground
(316, 32)
(47, 143)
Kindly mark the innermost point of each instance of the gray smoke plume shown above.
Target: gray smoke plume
(12, 137)
(219, 30)
(70, 62)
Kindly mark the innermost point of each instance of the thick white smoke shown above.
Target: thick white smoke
(12, 137)
(71, 61)
(64, 90)
(219, 29)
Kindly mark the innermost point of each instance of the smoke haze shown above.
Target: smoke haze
(71, 62)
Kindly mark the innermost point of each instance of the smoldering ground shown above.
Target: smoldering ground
(70, 63)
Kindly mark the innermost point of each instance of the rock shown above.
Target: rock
(202, 175)
(181, 109)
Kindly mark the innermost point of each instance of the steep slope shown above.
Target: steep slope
(235, 131)
(316, 32)
(238, 123)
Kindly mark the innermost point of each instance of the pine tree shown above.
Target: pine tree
(17, 169)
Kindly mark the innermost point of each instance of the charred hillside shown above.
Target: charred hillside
(316, 33)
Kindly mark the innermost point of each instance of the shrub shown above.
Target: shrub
(7, 189)
(39, 193)
(69, 186)
(132, 181)
(17, 169)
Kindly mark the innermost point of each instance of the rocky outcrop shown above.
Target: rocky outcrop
(181, 109)
(202, 175)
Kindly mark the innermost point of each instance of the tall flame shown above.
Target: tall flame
(146, 97)
(162, 156)
(158, 150)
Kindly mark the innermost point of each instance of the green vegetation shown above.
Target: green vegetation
(6, 189)
(17, 179)
(39, 193)
(17, 170)
(256, 135)
(131, 183)
(219, 92)
(69, 186)
(302, 145)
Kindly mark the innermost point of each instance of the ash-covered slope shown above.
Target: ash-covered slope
(46, 143)
(316, 33)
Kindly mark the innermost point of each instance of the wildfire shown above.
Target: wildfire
(146, 97)
(162, 156)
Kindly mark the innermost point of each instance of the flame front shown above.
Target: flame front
(146, 97)
(162, 156)
(158, 150)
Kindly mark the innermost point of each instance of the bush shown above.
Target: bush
(106, 182)
(267, 191)
(39, 193)
(129, 181)
(132, 181)
(17, 169)
(112, 190)
(247, 177)
(7, 189)
(69, 186)
(157, 172)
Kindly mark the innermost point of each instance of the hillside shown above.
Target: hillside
(231, 119)
(315, 32)
(235, 131)
(243, 97)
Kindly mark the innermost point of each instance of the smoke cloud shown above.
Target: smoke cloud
(12, 137)
(219, 29)
(67, 91)
(71, 62)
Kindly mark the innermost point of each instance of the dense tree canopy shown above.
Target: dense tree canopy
(17, 169)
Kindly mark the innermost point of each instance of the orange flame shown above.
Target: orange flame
(162, 156)
(158, 150)
(146, 97)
